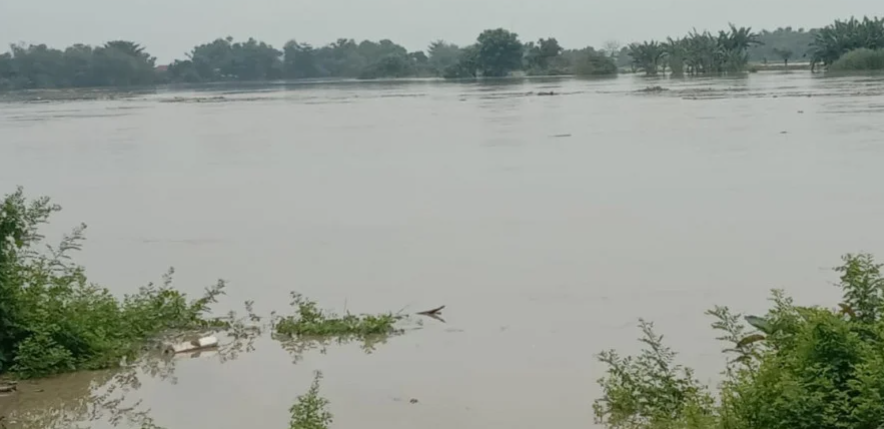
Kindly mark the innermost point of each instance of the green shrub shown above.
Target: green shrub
(310, 412)
(650, 390)
(862, 59)
(799, 368)
(53, 320)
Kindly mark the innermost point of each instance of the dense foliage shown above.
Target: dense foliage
(696, 53)
(53, 320)
(495, 53)
(117, 63)
(841, 37)
(800, 368)
(862, 59)
(499, 52)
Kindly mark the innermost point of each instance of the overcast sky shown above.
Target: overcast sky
(169, 28)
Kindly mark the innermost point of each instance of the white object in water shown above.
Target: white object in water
(202, 343)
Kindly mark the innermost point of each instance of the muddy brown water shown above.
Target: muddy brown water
(547, 224)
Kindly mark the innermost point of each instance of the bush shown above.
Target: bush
(801, 368)
(310, 410)
(53, 320)
(595, 64)
(862, 59)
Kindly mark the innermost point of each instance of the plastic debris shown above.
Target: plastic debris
(191, 346)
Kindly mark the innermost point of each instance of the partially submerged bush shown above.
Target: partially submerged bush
(862, 59)
(310, 321)
(310, 412)
(53, 320)
(801, 368)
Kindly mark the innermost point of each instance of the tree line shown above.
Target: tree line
(731, 50)
(121, 63)
(496, 52)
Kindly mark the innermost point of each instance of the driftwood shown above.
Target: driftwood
(435, 313)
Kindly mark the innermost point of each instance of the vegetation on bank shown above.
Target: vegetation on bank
(796, 367)
(53, 320)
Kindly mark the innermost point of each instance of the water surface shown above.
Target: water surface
(547, 224)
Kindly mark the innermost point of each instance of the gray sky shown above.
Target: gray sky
(169, 28)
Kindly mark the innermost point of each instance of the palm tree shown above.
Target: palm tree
(675, 52)
(646, 56)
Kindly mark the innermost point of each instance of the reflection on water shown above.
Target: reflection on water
(548, 224)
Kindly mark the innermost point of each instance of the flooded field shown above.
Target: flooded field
(546, 224)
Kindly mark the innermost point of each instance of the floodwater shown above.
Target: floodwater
(546, 224)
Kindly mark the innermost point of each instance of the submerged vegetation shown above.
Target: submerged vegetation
(796, 367)
(310, 321)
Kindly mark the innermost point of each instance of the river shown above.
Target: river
(546, 224)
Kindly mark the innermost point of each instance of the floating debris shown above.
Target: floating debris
(435, 313)
(191, 346)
